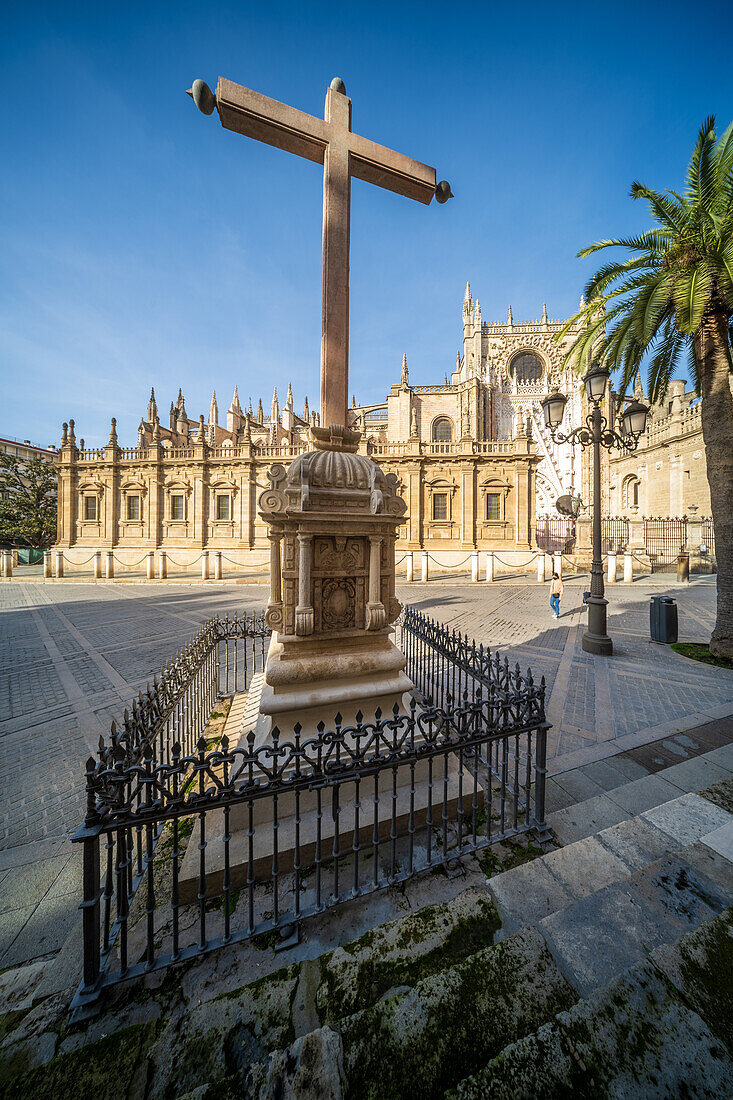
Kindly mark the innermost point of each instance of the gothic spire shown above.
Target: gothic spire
(275, 407)
(405, 378)
(213, 410)
(260, 413)
(152, 407)
(236, 407)
(289, 398)
(544, 313)
(509, 317)
(306, 410)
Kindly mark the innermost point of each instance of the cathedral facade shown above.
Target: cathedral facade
(472, 456)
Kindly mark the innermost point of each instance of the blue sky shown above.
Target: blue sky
(142, 244)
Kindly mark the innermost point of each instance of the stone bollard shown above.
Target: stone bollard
(47, 564)
(14, 562)
(548, 565)
(217, 565)
(628, 567)
(540, 568)
(4, 563)
(557, 565)
(409, 562)
(109, 565)
(474, 565)
(8, 563)
(425, 567)
(611, 562)
(162, 564)
(489, 566)
(150, 565)
(59, 563)
(204, 565)
(97, 565)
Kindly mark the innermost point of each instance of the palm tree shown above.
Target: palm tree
(674, 294)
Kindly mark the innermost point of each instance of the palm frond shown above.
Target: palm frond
(699, 169)
(691, 290)
(654, 240)
(664, 362)
(664, 208)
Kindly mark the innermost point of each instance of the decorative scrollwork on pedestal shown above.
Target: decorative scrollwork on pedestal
(274, 616)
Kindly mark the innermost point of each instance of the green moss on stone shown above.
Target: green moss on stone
(418, 1043)
(721, 794)
(100, 1071)
(345, 990)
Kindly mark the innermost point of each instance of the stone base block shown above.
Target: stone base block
(263, 839)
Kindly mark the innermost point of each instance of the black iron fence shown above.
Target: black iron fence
(664, 539)
(707, 534)
(614, 533)
(555, 534)
(187, 849)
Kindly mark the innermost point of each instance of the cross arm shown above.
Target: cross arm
(393, 171)
(257, 116)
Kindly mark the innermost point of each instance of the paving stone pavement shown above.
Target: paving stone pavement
(72, 655)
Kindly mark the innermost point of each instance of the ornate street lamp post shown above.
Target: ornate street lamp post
(595, 433)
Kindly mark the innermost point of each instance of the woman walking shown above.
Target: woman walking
(555, 594)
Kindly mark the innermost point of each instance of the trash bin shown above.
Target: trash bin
(663, 619)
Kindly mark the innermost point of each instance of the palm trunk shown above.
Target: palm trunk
(713, 356)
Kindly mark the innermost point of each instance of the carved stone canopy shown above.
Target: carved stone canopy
(322, 480)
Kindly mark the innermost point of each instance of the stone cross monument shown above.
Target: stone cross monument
(332, 516)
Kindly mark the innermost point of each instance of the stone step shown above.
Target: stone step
(536, 891)
(575, 920)
(663, 1029)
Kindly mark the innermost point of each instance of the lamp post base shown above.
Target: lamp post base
(596, 640)
(599, 644)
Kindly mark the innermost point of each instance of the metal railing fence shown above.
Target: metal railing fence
(186, 851)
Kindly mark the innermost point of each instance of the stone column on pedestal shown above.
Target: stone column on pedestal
(304, 608)
(376, 616)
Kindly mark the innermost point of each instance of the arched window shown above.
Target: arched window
(630, 491)
(442, 430)
(526, 368)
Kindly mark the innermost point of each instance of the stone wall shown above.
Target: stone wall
(187, 499)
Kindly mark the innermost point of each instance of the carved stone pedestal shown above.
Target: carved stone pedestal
(332, 518)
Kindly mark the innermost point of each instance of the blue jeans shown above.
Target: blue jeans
(555, 604)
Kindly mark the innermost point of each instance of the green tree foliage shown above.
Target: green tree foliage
(28, 504)
(673, 294)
